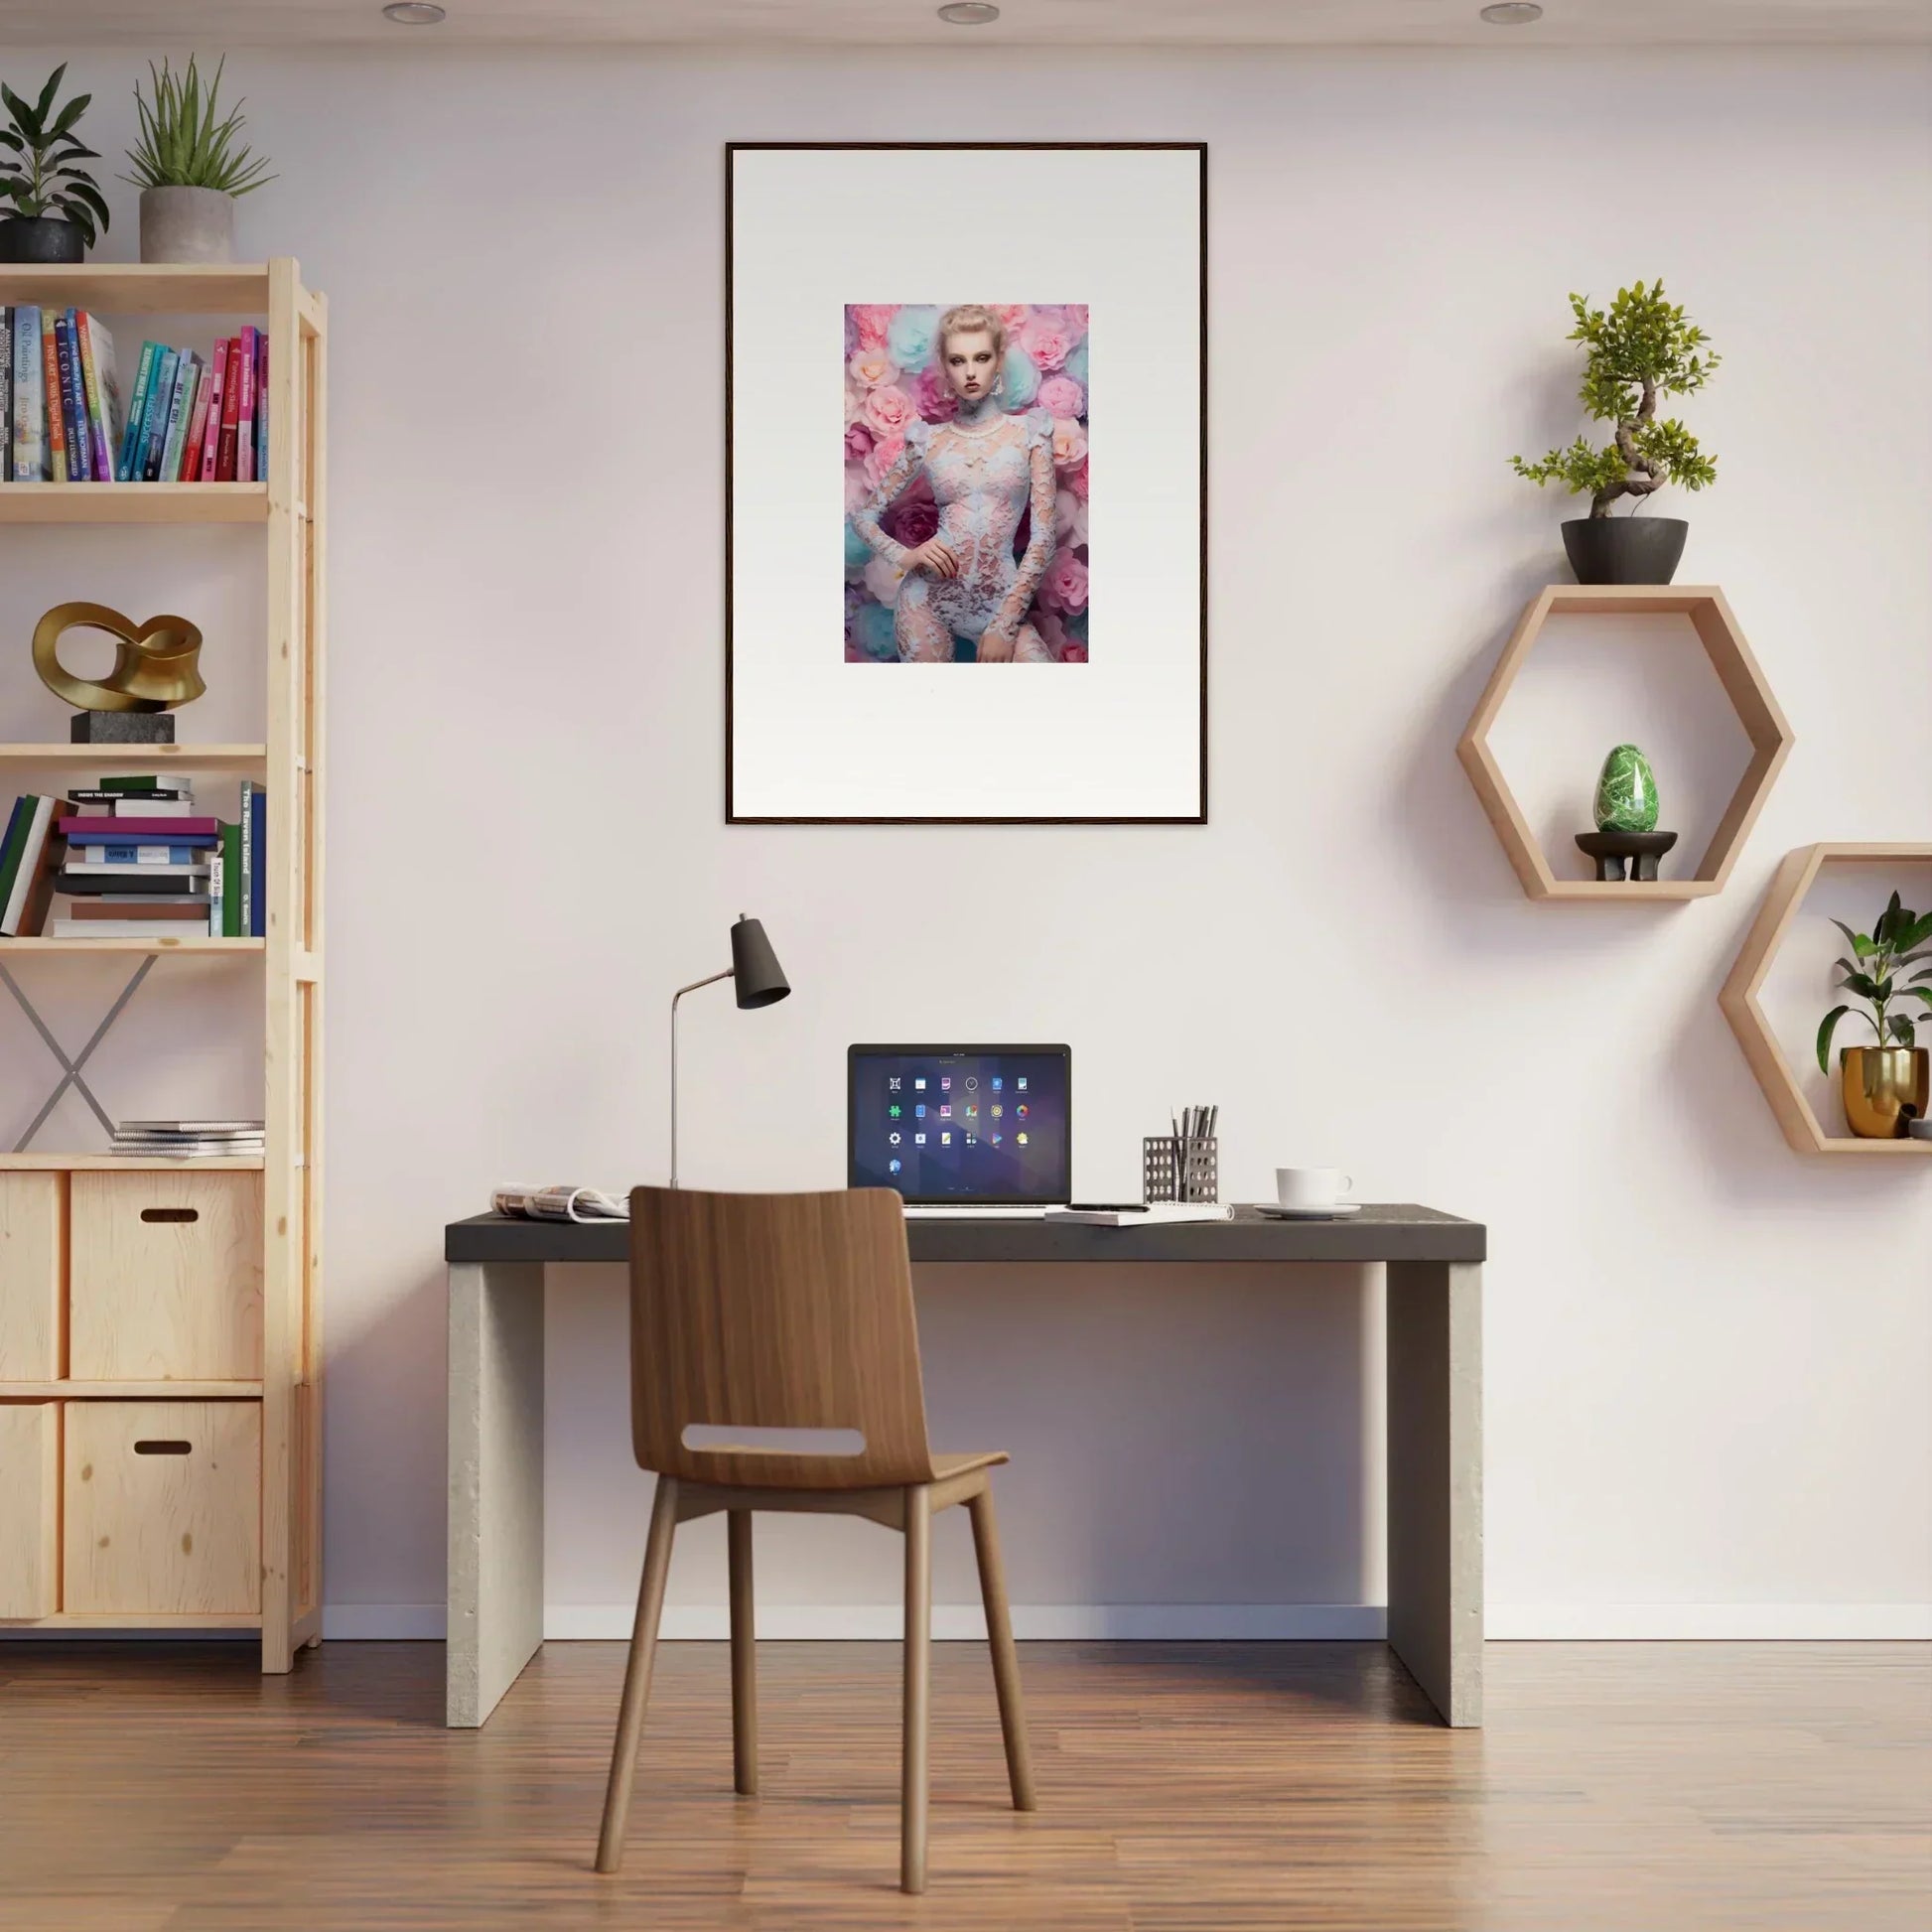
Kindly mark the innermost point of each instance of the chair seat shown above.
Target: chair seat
(945, 1466)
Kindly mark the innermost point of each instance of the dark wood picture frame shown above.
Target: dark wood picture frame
(731, 150)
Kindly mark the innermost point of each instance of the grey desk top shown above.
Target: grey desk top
(1391, 1231)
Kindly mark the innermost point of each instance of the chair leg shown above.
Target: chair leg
(1005, 1660)
(919, 1687)
(744, 1670)
(637, 1674)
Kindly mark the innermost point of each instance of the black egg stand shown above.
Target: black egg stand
(1613, 851)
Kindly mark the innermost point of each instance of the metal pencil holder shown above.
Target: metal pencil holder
(1179, 1169)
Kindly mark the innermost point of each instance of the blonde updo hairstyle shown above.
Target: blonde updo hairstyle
(970, 319)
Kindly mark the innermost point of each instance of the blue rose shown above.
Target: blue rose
(912, 335)
(1020, 380)
(871, 632)
(1076, 364)
(857, 552)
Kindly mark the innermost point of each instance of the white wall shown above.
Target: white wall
(1706, 1359)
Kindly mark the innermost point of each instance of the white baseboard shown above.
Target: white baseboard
(1202, 1622)
(1707, 1622)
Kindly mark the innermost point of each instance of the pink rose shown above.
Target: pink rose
(855, 400)
(890, 413)
(883, 580)
(1052, 632)
(1074, 654)
(1069, 444)
(858, 442)
(870, 369)
(1075, 314)
(935, 400)
(881, 458)
(856, 490)
(1060, 395)
(1046, 341)
(870, 321)
(1012, 314)
(1065, 587)
(1070, 519)
(1075, 480)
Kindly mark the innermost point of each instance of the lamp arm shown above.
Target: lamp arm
(675, 998)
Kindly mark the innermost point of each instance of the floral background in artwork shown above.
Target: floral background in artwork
(892, 377)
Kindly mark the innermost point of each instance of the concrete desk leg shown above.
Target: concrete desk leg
(1434, 1329)
(495, 1584)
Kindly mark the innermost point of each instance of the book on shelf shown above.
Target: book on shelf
(190, 1139)
(189, 418)
(28, 862)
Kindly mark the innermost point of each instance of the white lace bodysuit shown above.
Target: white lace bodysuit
(984, 476)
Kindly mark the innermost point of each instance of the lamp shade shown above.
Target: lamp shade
(757, 977)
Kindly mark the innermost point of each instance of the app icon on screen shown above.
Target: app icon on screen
(970, 1142)
(893, 1110)
(972, 1080)
(998, 1110)
(892, 1139)
(1021, 1110)
(893, 1167)
(994, 1137)
(892, 1084)
(1021, 1083)
(919, 1140)
(945, 1112)
(918, 1110)
(945, 1140)
(918, 1083)
(996, 1083)
(945, 1084)
(1021, 1138)
(971, 1113)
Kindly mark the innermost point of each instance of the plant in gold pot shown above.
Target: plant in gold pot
(1885, 1085)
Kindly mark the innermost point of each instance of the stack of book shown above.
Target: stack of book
(136, 861)
(189, 419)
(188, 1140)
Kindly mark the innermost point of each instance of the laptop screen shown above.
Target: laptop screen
(965, 1124)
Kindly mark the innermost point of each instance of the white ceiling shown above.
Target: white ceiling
(872, 23)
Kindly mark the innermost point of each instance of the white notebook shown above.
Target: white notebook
(1162, 1214)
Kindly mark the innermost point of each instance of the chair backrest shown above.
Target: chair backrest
(761, 1312)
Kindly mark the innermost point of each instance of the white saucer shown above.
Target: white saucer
(1271, 1211)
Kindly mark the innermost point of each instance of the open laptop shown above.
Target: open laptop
(962, 1130)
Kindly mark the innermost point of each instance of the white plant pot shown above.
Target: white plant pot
(187, 224)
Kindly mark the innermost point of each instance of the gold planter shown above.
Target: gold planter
(1884, 1089)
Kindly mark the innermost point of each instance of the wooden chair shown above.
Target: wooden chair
(790, 1312)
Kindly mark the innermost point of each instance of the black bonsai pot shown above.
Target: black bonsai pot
(40, 238)
(1624, 549)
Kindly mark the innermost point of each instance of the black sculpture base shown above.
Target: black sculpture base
(1611, 850)
(123, 728)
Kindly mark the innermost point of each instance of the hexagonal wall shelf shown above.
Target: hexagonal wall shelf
(1744, 683)
(1794, 879)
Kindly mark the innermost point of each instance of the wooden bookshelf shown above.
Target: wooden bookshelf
(53, 1194)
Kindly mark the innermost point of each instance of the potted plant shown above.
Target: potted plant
(188, 169)
(56, 210)
(1885, 1087)
(1641, 350)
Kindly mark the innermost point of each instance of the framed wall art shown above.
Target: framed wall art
(966, 483)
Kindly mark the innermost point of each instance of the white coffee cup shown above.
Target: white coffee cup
(1311, 1187)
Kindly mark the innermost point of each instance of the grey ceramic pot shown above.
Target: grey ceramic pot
(1624, 549)
(187, 224)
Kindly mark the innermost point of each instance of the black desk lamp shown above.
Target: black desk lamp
(760, 981)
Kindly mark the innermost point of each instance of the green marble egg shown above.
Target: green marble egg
(1626, 792)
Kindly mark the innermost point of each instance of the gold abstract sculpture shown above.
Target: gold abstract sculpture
(154, 663)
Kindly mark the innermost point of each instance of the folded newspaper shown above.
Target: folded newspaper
(560, 1204)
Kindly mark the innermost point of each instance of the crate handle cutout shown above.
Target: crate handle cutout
(772, 1442)
(163, 1448)
(171, 1213)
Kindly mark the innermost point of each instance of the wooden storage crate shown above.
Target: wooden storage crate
(162, 1507)
(33, 1270)
(30, 1508)
(166, 1281)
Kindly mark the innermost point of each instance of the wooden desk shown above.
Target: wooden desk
(1434, 1412)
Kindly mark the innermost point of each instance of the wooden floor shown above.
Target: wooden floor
(1204, 1787)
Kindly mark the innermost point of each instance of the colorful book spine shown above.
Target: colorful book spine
(30, 448)
(136, 855)
(154, 831)
(178, 407)
(244, 459)
(6, 396)
(262, 405)
(57, 427)
(161, 396)
(16, 823)
(231, 416)
(191, 449)
(217, 372)
(128, 468)
(258, 864)
(230, 896)
(103, 393)
(74, 406)
(33, 882)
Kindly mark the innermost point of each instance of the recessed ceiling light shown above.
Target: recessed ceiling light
(414, 13)
(1513, 12)
(969, 12)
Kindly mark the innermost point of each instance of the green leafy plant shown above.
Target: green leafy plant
(1900, 939)
(182, 144)
(1642, 350)
(37, 150)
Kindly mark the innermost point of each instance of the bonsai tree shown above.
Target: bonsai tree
(37, 150)
(182, 144)
(1642, 350)
(1900, 939)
